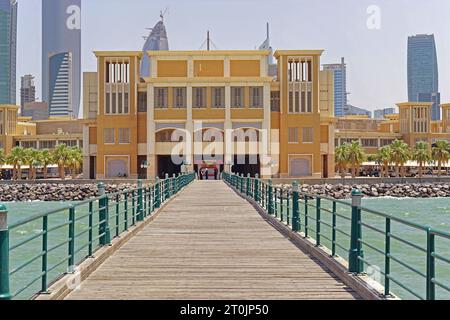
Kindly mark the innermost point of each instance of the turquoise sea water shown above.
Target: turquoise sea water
(434, 212)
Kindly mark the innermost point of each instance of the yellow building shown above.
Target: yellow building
(16, 131)
(216, 109)
(412, 124)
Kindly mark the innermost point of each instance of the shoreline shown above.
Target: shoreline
(46, 192)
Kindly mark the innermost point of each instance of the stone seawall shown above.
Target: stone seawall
(340, 191)
(55, 192)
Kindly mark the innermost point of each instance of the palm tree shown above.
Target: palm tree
(383, 158)
(16, 159)
(32, 159)
(60, 155)
(74, 160)
(421, 153)
(341, 159)
(441, 154)
(46, 160)
(400, 154)
(356, 156)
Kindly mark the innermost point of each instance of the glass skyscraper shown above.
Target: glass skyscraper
(60, 104)
(423, 76)
(156, 41)
(8, 47)
(340, 86)
(61, 35)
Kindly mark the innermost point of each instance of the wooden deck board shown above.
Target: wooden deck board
(211, 244)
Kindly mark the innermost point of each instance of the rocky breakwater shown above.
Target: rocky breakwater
(343, 191)
(55, 192)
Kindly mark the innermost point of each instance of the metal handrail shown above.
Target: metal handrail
(127, 207)
(307, 214)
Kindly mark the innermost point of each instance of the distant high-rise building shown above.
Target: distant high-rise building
(340, 86)
(35, 110)
(156, 41)
(61, 34)
(350, 110)
(27, 90)
(380, 114)
(60, 80)
(8, 47)
(423, 76)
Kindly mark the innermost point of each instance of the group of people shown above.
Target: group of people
(205, 174)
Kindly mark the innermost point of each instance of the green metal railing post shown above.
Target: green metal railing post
(133, 208)
(166, 187)
(257, 188)
(117, 215)
(71, 261)
(281, 205)
(5, 294)
(431, 265)
(295, 207)
(140, 203)
(174, 184)
(306, 216)
(105, 237)
(318, 222)
(248, 184)
(270, 202)
(355, 265)
(387, 261)
(91, 223)
(333, 232)
(126, 209)
(44, 267)
(157, 193)
(242, 183)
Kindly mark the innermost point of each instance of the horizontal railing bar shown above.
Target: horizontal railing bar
(29, 284)
(390, 277)
(439, 257)
(57, 246)
(27, 263)
(407, 265)
(21, 243)
(440, 284)
(407, 242)
(58, 264)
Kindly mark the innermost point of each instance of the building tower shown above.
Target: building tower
(8, 46)
(340, 86)
(60, 80)
(423, 76)
(156, 41)
(61, 33)
(27, 91)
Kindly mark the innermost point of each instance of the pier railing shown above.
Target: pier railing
(63, 238)
(413, 258)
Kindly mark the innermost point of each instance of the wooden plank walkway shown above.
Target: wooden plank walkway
(209, 243)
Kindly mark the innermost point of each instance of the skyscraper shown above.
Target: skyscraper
(61, 35)
(157, 40)
(340, 86)
(8, 46)
(27, 90)
(60, 90)
(423, 76)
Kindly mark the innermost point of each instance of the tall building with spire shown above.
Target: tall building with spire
(156, 41)
(8, 46)
(266, 46)
(423, 76)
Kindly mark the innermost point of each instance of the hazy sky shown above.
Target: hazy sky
(376, 57)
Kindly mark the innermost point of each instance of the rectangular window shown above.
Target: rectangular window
(218, 97)
(199, 97)
(114, 103)
(109, 135)
(275, 101)
(126, 103)
(291, 102)
(161, 97)
(309, 102)
(293, 135)
(369, 143)
(108, 103)
(47, 144)
(237, 97)
(120, 98)
(256, 97)
(307, 135)
(142, 101)
(179, 97)
(124, 136)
